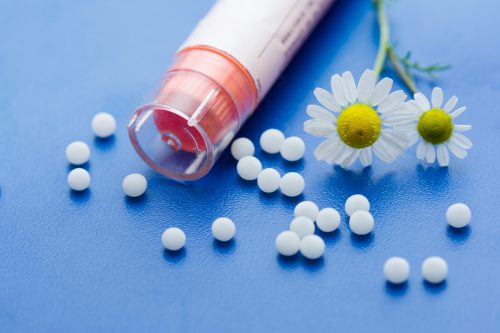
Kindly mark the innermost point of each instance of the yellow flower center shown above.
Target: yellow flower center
(359, 126)
(435, 126)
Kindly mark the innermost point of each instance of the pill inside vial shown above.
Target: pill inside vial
(287, 243)
(249, 167)
(223, 229)
(396, 270)
(271, 140)
(77, 153)
(292, 184)
(356, 202)
(242, 147)
(134, 185)
(269, 180)
(78, 179)
(173, 239)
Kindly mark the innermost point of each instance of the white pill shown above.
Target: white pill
(302, 226)
(223, 229)
(458, 215)
(434, 269)
(242, 147)
(77, 153)
(78, 179)
(328, 220)
(271, 141)
(361, 222)
(134, 185)
(173, 239)
(306, 208)
(356, 202)
(292, 184)
(396, 270)
(312, 247)
(249, 168)
(269, 180)
(103, 124)
(292, 149)
(287, 243)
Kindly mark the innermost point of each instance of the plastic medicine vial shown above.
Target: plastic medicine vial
(217, 79)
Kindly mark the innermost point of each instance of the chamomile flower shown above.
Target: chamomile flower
(434, 125)
(357, 120)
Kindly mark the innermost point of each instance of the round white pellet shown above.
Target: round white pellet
(173, 239)
(292, 184)
(249, 168)
(269, 180)
(77, 153)
(223, 229)
(306, 208)
(103, 124)
(458, 215)
(134, 185)
(434, 269)
(242, 147)
(78, 179)
(396, 270)
(361, 222)
(271, 140)
(292, 149)
(356, 202)
(328, 220)
(312, 247)
(287, 243)
(302, 226)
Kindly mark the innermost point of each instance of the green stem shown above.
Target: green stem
(383, 38)
(403, 75)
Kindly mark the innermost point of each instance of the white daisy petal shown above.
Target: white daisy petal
(442, 155)
(414, 108)
(437, 97)
(461, 140)
(421, 150)
(395, 100)
(319, 127)
(326, 99)
(366, 84)
(365, 157)
(337, 154)
(452, 102)
(338, 90)
(457, 112)
(381, 152)
(381, 91)
(349, 87)
(422, 101)
(398, 118)
(430, 153)
(462, 128)
(390, 145)
(413, 137)
(350, 159)
(326, 148)
(456, 150)
(318, 112)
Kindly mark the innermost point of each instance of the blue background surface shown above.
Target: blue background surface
(94, 261)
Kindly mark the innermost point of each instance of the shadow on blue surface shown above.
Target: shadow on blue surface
(80, 197)
(435, 288)
(224, 248)
(105, 144)
(175, 257)
(330, 238)
(458, 235)
(396, 290)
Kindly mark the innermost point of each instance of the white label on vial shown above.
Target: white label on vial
(263, 35)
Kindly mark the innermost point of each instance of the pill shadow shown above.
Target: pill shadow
(224, 248)
(175, 257)
(314, 265)
(288, 262)
(458, 235)
(434, 288)
(80, 197)
(396, 290)
(133, 203)
(364, 242)
(433, 179)
(330, 238)
(85, 166)
(105, 144)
